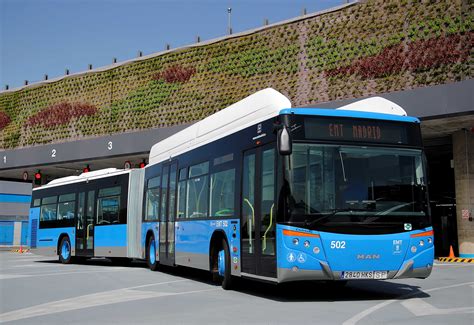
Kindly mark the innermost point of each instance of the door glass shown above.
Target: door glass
(81, 220)
(268, 217)
(164, 210)
(171, 209)
(164, 195)
(248, 204)
(90, 220)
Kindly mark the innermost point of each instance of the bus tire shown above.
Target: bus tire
(151, 254)
(65, 251)
(227, 280)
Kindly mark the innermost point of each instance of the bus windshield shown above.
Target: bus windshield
(328, 183)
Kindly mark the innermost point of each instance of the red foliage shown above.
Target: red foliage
(175, 73)
(61, 113)
(419, 55)
(4, 120)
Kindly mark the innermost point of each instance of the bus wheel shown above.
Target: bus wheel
(223, 265)
(151, 254)
(65, 251)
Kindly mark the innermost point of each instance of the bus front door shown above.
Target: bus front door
(168, 214)
(258, 220)
(85, 224)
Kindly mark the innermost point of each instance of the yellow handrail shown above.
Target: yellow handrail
(264, 244)
(88, 227)
(253, 211)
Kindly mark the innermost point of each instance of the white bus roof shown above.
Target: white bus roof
(253, 109)
(375, 105)
(84, 177)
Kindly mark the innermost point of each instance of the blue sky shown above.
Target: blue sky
(40, 37)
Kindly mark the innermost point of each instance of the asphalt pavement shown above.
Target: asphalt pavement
(40, 290)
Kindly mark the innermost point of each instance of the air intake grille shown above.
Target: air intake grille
(34, 232)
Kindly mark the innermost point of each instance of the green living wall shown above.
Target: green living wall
(362, 49)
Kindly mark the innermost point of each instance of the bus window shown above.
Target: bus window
(198, 191)
(267, 229)
(49, 208)
(108, 205)
(153, 199)
(222, 193)
(66, 206)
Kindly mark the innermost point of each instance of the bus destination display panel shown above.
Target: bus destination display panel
(359, 130)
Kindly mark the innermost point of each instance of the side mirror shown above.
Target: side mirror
(284, 143)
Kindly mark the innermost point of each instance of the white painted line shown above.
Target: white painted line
(34, 265)
(354, 319)
(93, 300)
(419, 307)
(11, 276)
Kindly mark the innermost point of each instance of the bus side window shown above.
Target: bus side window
(49, 208)
(198, 191)
(222, 193)
(153, 199)
(66, 206)
(108, 205)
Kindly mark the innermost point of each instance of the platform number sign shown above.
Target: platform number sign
(4, 159)
(109, 145)
(53, 153)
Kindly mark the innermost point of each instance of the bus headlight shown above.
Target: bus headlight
(422, 243)
(430, 240)
(413, 249)
(316, 250)
(306, 243)
(296, 241)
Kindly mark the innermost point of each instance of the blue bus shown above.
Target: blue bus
(258, 190)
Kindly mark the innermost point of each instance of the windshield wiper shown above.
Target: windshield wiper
(333, 213)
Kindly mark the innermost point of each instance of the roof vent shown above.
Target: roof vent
(375, 105)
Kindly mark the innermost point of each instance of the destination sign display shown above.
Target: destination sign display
(360, 131)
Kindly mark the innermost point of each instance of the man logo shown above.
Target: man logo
(368, 257)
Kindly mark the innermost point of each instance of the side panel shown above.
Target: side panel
(193, 240)
(48, 239)
(155, 228)
(110, 241)
(24, 232)
(6, 232)
(134, 213)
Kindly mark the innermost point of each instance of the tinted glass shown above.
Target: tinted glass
(222, 193)
(199, 169)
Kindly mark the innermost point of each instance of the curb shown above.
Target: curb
(456, 259)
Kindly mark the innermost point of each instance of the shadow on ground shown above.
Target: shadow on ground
(307, 291)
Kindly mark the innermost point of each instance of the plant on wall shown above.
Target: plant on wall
(175, 73)
(61, 113)
(4, 120)
(419, 55)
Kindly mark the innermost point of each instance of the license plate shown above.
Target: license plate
(377, 275)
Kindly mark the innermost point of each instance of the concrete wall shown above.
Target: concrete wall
(463, 156)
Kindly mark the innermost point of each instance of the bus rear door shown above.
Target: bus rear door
(85, 224)
(168, 214)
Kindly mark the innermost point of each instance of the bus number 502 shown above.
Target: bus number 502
(338, 244)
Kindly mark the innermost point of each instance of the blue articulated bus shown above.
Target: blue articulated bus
(258, 190)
